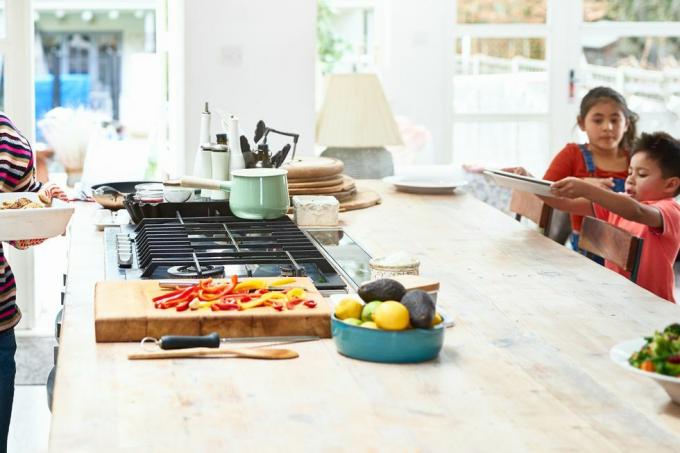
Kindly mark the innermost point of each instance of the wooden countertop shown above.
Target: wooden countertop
(525, 368)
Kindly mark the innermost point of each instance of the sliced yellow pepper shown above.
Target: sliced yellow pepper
(283, 281)
(256, 283)
(252, 304)
(296, 293)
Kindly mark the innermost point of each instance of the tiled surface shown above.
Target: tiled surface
(30, 427)
(34, 357)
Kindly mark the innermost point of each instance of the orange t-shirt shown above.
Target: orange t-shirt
(659, 246)
(570, 162)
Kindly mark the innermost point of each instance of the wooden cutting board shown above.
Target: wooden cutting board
(124, 311)
(334, 181)
(363, 199)
(313, 167)
(313, 180)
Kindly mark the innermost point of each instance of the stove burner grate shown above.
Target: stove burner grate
(191, 272)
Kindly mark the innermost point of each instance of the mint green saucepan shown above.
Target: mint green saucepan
(255, 193)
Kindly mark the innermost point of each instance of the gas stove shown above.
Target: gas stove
(201, 247)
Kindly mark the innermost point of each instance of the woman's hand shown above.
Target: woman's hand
(518, 171)
(571, 187)
(49, 191)
(605, 183)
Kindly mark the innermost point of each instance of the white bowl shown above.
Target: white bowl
(622, 352)
(176, 194)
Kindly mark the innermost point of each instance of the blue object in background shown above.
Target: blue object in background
(75, 92)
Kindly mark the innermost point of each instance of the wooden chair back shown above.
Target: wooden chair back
(525, 204)
(611, 243)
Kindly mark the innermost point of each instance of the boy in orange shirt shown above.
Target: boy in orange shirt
(647, 209)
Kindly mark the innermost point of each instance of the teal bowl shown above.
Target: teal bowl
(387, 346)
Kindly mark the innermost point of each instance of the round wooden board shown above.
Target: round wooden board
(346, 195)
(324, 183)
(363, 199)
(313, 167)
(316, 190)
(318, 179)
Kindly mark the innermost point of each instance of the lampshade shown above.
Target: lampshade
(355, 114)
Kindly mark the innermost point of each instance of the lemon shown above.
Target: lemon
(437, 319)
(348, 308)
(391, 315)
(368, 310)
(353, 321)
(369, 325)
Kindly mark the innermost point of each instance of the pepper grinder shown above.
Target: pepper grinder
(202, 160)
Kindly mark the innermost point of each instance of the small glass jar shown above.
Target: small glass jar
(400, 263)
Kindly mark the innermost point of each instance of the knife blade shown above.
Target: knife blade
(213, 340)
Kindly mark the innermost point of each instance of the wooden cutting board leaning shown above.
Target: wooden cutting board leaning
(124, 311)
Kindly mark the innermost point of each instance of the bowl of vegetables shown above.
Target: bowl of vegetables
(385, 323)
(656, 357)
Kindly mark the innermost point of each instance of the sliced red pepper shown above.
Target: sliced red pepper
(183, 306)
(215, 288)
(291, 304)
(277, 306)
(202, 295)
(262, 291)
(310, 303)
(205, 283)
(166, 295)
(226, 306)
(234, 280)
(214, 307)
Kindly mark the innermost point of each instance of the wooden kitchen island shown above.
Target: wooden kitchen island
(525, 368)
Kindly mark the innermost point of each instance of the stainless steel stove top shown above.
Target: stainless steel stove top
(221, 246)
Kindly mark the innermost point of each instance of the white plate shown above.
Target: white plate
(521, 183)
(423, 184)
(33, 223)
(622, 351)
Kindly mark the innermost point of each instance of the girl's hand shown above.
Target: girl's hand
(571, 187)
(605, 183)
(517, 170)
(49, 191)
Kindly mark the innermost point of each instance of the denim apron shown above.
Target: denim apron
(619, 186)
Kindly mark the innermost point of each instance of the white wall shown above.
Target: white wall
(253, 58)
(415, 68)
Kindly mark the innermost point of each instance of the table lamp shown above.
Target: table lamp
(355, 124)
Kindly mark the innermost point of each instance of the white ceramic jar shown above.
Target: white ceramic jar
(399, 263)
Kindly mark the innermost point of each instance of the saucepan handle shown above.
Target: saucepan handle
(203, 183)
(211, 340)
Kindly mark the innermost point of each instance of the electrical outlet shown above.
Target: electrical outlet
(231, 56)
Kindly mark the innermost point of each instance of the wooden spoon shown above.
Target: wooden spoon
(269, 354)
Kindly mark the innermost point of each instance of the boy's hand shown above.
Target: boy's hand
(571, 187)
(605, 183)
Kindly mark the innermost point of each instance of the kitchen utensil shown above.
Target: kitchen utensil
(268, 354)
(122, 187)
(256, 193)
(139, 210)
(278, 158)
(33, 223)
(362, 199)
(374, 345)
(108, 197)
(425, 185)
(313, 167)
(124, 311)
(260, 129)
(176, 194)
(220, 168)
(620, 354)
(236, 160)
(213, 340)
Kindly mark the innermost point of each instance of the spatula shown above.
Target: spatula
(267, 354)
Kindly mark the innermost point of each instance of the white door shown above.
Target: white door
(16, 64)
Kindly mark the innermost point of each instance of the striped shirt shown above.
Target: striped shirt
(17, 174)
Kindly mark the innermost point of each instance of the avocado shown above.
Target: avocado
(421, 308)
(382, 289)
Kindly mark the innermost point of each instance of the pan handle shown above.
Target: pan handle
(211, 340)
(204, 183)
